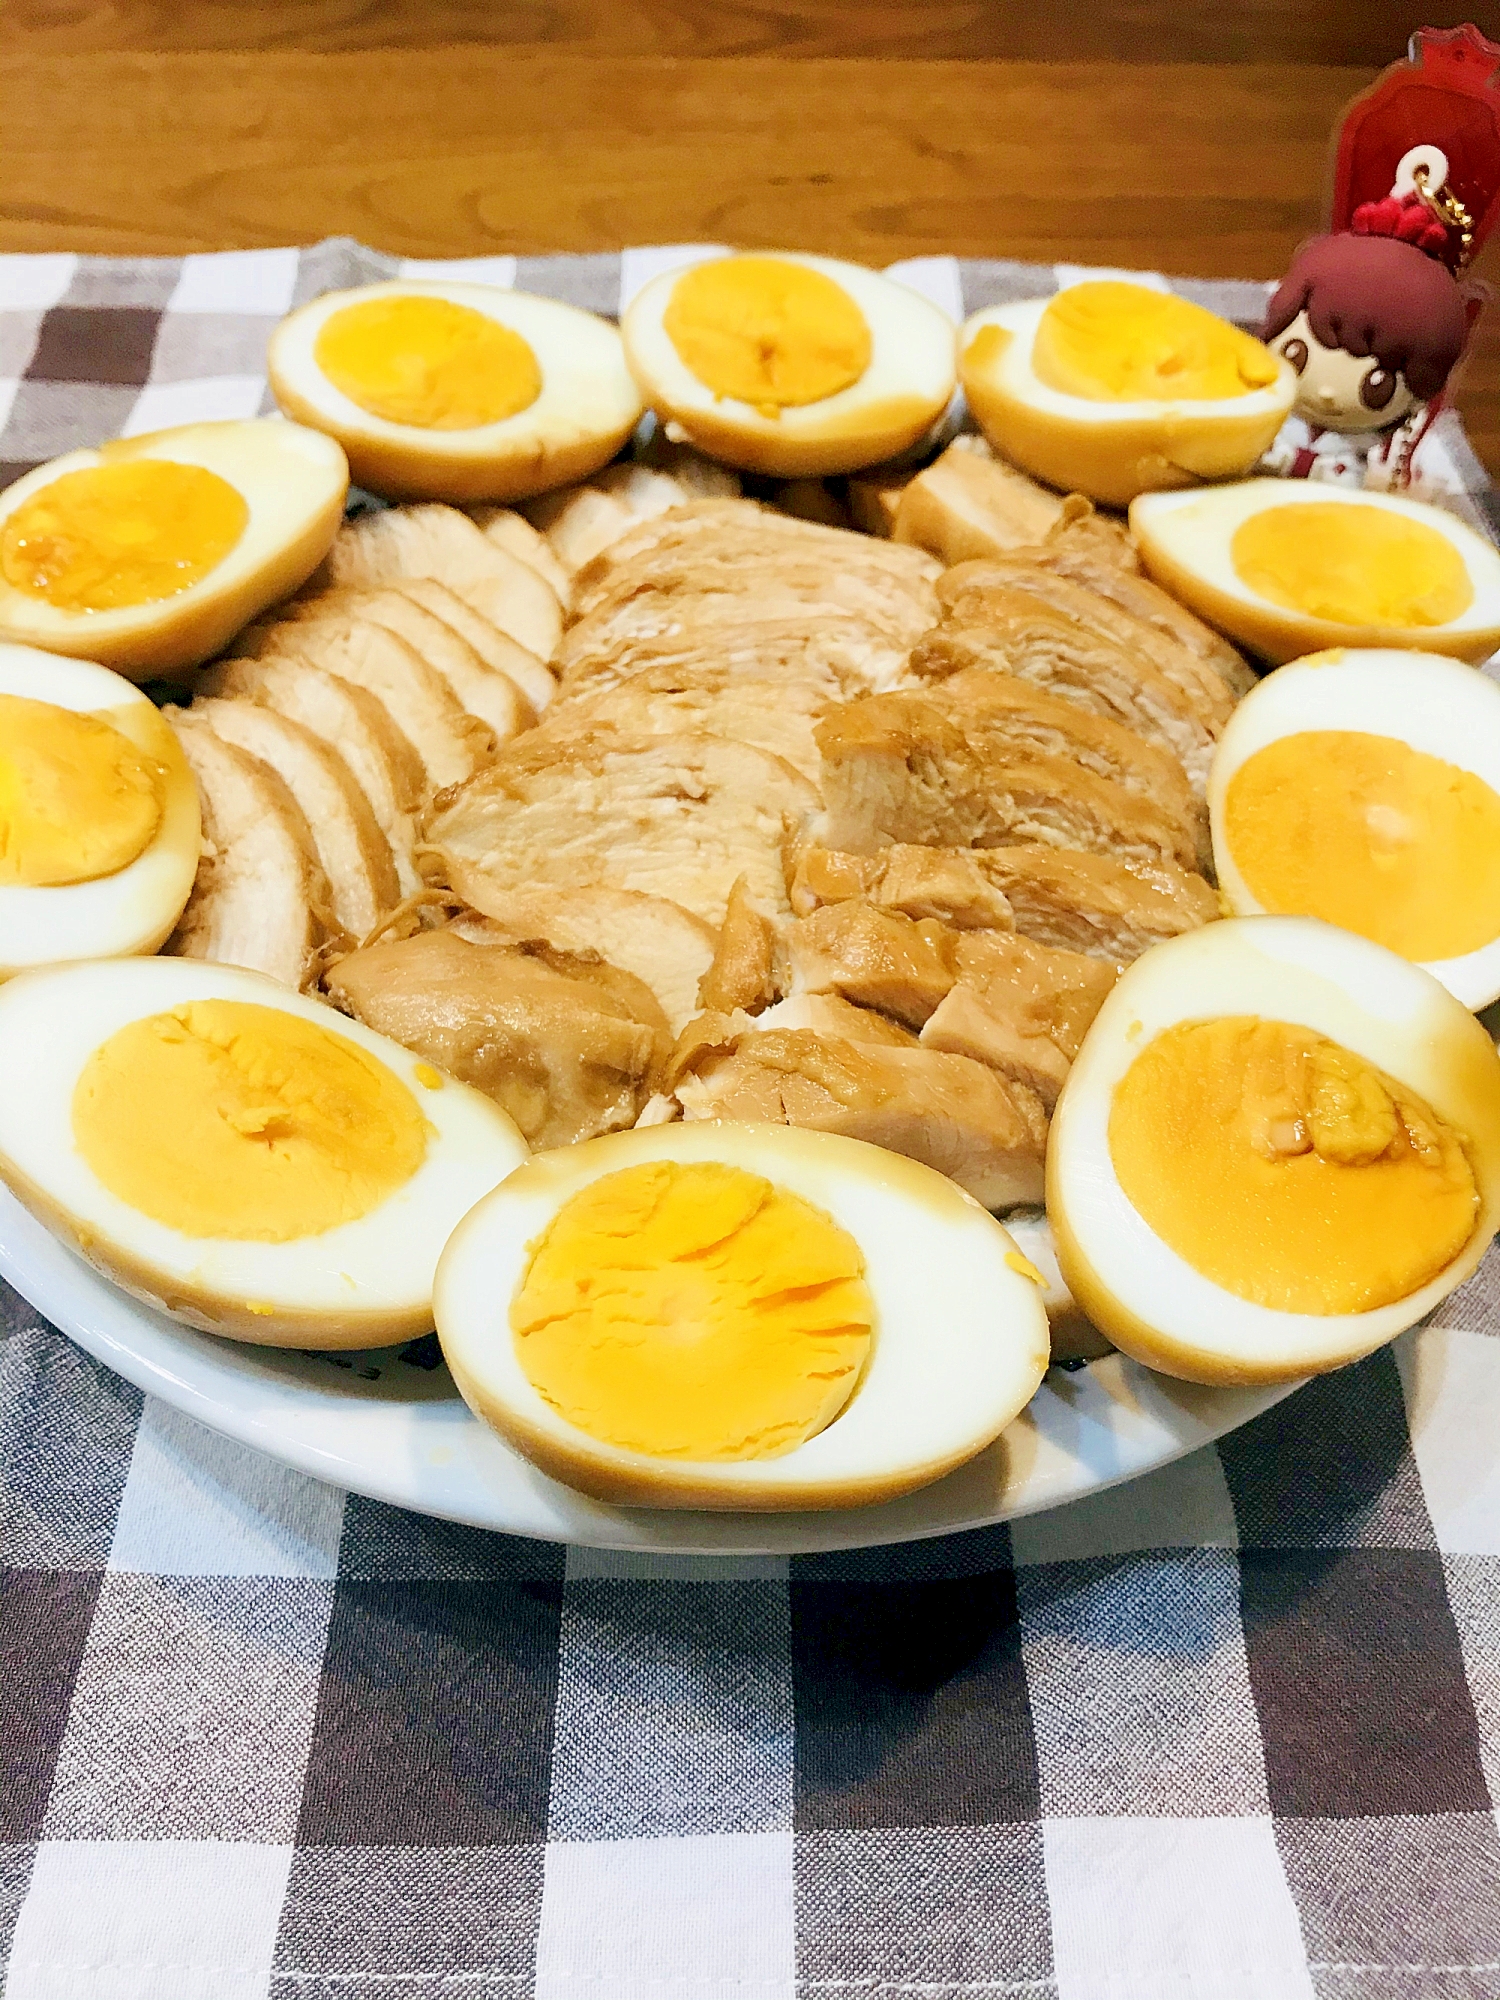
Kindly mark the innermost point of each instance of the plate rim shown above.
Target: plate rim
(91, 1311)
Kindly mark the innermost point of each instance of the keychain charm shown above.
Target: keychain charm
(1375, 315)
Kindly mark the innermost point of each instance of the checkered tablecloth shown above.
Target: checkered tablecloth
(1231, 1732)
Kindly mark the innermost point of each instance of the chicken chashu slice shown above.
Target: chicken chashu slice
(968, 503)
(431, 540)
(354, 854)
(745, 975)
(509, 530)
(712, 524)
(887, 607)
(827, 1014)
(949, 1112)
(493, 697)
(901, 966)
(995, 996)
(1016, 631)
(775, 710)
(665, 947)
(580, 522)
(563, 1042)
(260, 898)
(811, 563)
(1098, 552)
(1095, 904)
(736, 635)
(815, 560)
(1019, 1008)
(680, 817)
(709, 514)
(350, 720)
(497, 649)
(898, 769)
(964, 592)
(998, 709)
(451, 743)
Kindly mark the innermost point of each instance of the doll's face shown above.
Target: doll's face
(1339, 391)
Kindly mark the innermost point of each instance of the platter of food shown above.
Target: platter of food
(724, 959)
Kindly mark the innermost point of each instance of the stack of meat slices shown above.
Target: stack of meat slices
(418, 650)
(870, 838)
(995, 841)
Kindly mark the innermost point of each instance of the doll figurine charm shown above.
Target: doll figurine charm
(1375, 316)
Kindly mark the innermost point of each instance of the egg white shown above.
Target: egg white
(903, 392)
(134, 909)
(1184, 541)
(293, 482)
(1428, 702)
(358, 1285)
(960, 1343)
(1110, 451)
(587, 408)
(1146, 1298)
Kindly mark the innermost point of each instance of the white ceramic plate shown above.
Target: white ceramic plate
(390, 1428)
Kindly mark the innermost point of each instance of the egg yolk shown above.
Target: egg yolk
(77, 799)
(693, 1311)
(1371, 835)
(223, 1118)
(1354, 565)
(766, 332)
(427, 362)
(122, 533)
(1117, 343)
(1288, 1170)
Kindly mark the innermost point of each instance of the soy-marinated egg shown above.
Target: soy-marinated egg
(1364, 788)
(448, 391)
(235, 1154)
(1279, 1147)
(791, 365)
(99, 825)
(739, 1316)
(1114, 389)
(1293, 566)
(151, 552)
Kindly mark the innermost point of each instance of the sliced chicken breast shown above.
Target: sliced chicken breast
(350, 720)
(354, 854)
(493, 697)
(451, 743)
(260, 898)
(680, 817)
(435, 541)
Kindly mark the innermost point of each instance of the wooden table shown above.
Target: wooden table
(1185, 135)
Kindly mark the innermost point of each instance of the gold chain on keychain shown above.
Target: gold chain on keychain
(1449, 210)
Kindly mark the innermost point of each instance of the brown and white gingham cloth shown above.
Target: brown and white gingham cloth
(1231, 1732)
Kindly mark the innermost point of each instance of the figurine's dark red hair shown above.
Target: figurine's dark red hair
(1379, 296)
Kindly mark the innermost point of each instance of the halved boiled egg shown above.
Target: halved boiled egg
(788, 364)
(150, 553)
(236, 1155)
(1278, 1148)
(1364, 788)
(739, 1316)
(99, 823)
(1114, 389)
(1291, 566)
(455, 391)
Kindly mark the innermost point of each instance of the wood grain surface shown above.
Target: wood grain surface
(1172, 134)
